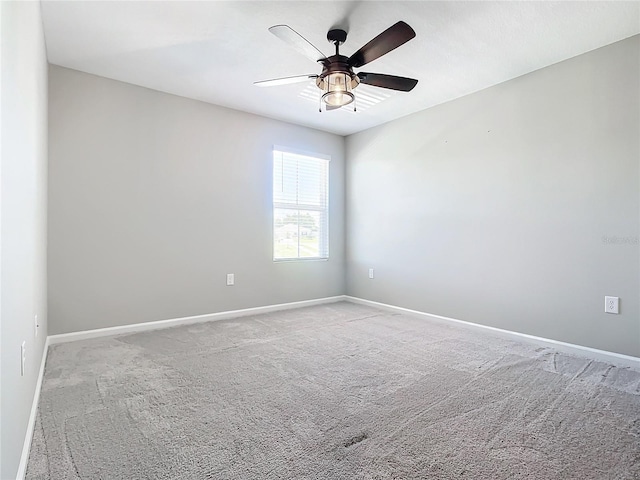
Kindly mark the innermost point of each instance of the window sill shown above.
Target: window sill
(309, 259)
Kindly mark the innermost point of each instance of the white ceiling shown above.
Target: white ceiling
(214, 51)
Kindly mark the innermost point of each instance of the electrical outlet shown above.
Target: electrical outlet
(231, 279)
(371, 273)
(36, 324)
(611, 304)
(23, 356)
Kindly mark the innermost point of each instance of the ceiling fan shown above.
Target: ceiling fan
(337, 79)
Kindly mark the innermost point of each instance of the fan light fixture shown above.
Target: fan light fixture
(338, 90)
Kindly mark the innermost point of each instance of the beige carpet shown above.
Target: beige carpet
(337, 391)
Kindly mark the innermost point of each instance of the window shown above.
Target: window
(300, 206)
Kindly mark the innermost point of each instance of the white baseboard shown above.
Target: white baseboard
(26, 447)
(174, 322)
(617, 359)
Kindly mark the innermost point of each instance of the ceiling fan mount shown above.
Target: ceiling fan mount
(337, 35)
(337, 79)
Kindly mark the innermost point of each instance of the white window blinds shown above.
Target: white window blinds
(300, 206)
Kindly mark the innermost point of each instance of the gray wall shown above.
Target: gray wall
(501, 207)
(515, 207)
(153, 198)
(23, 193)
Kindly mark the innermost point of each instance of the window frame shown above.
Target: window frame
(323, 230)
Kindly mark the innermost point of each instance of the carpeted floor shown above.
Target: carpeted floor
(337, 391)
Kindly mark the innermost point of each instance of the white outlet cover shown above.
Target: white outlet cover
(230, 279)
(371, 273)
(611, 304)
(23, 357)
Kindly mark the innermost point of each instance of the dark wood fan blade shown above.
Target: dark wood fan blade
(284, 80)
(388, 40)
(297, 41)
(392, 82)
